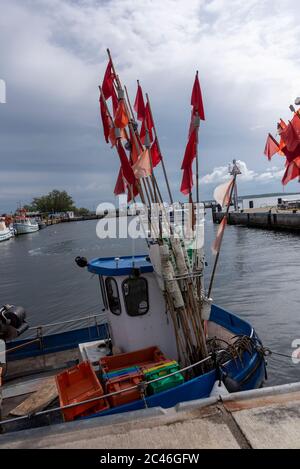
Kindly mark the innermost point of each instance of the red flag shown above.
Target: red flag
(112, 136)
(121, 118)
(107, 84)
(271, 147)
(142, 167)
(291, 134)
(132, 191)
(196, 99)
(105, 119)
(126, 168)
(155, 154)
(120, 186)
(291, 155)
(134, 153)
(115, 101)
(218, 241)
(292, 171)
(150, 125)
(139, 105)
(187, 181)
(190, 151)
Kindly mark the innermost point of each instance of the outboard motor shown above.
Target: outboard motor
(12, 322)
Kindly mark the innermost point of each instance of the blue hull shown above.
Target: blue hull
(248, 373)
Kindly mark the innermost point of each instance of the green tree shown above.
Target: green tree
(55, 201)
(81, 212)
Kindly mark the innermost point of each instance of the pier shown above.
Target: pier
(268, 219)
(264, 418)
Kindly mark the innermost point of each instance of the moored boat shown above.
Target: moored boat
(5, 232)
(24, 225)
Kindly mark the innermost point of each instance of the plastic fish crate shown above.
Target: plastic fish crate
(150, 355)
(166, 383)
(78, 384)
(123, 382)
(123, 371)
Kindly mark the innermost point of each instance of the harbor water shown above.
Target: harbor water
(257, 278)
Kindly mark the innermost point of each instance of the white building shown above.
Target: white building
(266, 200)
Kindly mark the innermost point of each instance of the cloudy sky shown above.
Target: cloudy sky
(53, 56)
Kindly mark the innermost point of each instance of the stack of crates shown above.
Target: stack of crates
(125, 370)
(78, 384)
(160, 371)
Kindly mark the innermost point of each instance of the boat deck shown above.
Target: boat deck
(263, 418)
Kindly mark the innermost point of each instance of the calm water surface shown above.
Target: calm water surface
(258, 278)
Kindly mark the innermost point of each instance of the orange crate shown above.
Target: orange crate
(143, 357)
(78, 384)
(123, 382)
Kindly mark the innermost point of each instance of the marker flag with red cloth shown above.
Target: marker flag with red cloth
(196, 99)
(115, 101)
(126, 168)
(218, 241)
(120, 186)
(292, 171)
(187, 181)
(142, 167)
(108, 80)
(291, 155)
(291, 134)
(134, 153)
(271, 147)
(222, 193)
(139, 105)
(190, 151)
(132, 191)
(105, 118)
(155, 154)
(121, 117)
(150, 125)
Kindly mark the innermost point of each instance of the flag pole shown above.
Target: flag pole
(218, 253)
(108, 112)
(158, 145)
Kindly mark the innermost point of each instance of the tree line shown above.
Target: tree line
(55, 202)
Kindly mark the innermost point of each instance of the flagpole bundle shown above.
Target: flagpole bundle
(179, 286)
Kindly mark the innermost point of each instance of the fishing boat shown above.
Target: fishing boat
(24, 225)
(5, 232)
(133, 324)
(160, 340)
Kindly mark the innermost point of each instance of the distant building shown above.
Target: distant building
(267, 200)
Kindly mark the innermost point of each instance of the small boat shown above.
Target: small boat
(5, 232)
(42, 224)
(24, 225)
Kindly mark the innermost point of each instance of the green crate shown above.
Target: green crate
(164, 384)
(161, 371)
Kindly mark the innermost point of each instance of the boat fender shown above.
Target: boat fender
(231, 384)
(81, 261)
(218, 389)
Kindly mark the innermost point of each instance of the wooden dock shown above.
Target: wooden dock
(262, 418)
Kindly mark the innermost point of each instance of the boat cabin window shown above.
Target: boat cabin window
(113, 295)
(135, 292)
(103, 294)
